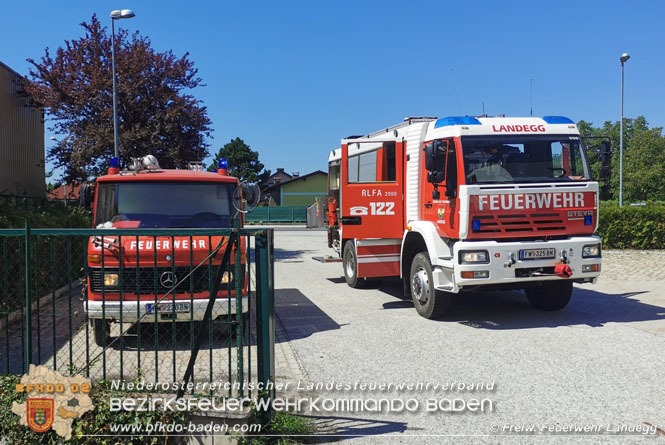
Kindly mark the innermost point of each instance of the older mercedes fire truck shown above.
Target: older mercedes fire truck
(467, 203)
(160, 278)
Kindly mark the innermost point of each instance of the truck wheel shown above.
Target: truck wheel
(101, 334)
(429, 302)
(550, 296)
(350, 262)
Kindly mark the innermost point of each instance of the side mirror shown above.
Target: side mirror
(435, 160)
(86, 195)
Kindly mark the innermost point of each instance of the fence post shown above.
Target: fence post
(293, 214)
(265, 318)
(28, 301)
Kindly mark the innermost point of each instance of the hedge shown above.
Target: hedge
(42, 213)
(628, 227)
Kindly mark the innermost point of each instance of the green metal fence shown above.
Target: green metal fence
(290, 214)
(167, 305)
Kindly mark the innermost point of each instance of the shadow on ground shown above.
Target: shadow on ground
(285, 254)
(299, 317)
(511, 309)
(339, 428)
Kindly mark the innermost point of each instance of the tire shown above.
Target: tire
(101, 335)
(429, 303)
(350, 264)
(550, 296)
(220, 327)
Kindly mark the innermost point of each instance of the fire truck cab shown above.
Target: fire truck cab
(129, 276)
(466, 203)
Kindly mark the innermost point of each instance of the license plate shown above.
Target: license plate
(537, 254)
(167, 307)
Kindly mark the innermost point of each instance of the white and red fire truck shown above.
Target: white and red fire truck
(467, 203)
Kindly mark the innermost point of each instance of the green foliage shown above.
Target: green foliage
(42, 214)
(293, 429)
(243, 162)
(92, 422)
(644, 158)
(628, 227)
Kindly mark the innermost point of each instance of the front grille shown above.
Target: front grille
(518, 224)
(149, 277)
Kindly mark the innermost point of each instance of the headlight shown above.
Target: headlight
(591, 251)
(110, 279)
(474, 256)
(227, 277)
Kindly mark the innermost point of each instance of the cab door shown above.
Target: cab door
(439, 200)
(372, 204)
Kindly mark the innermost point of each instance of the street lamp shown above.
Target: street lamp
(116, 14)
(624, 57)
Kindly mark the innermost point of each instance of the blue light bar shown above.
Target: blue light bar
(475, 225)
(557, 120)
(115, 162)
(223, 164)
(456, 120)
(588, 220)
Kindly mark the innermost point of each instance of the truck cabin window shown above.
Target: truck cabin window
(524, 159)
(166, 204)
(372, 164)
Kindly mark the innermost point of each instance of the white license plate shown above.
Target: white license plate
(537, 254)
(168, 307)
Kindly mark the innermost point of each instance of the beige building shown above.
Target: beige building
(22, 166)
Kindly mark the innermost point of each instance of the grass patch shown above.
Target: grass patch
(285, 429)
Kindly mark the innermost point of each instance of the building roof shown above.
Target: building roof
(9, 69)
(302, 177)
(73, 192)
(280, 171)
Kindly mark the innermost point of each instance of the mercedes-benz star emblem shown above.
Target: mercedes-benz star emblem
(168, 279)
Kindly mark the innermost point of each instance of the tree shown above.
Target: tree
(156, 112)
(643, 162)
(243, 162)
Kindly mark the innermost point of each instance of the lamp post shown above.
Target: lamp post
(624, 57)
(116, 14)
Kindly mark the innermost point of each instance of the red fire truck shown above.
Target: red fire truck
(467, 203)
(129, 275)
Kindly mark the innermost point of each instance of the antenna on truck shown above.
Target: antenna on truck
(532, 96)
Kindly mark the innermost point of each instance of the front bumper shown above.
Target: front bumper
(506, 268)
(111, 310)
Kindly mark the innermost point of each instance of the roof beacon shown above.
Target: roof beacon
(223, 167)
(114, 167)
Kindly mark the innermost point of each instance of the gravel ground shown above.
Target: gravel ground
(597, 363)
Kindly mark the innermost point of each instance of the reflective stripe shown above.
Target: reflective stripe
(390, 259)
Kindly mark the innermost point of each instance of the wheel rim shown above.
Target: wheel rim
(419, 286)
(350, 266)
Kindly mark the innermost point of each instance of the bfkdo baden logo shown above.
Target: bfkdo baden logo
(54, 401)
(40, 414)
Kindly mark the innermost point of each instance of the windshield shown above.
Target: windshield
(144, 204)
(510, 159)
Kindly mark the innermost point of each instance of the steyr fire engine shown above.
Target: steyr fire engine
(129, 275)
(465, 203)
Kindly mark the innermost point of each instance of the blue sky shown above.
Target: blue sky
(292, 78)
